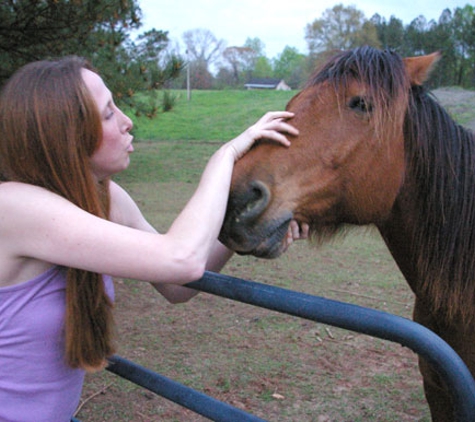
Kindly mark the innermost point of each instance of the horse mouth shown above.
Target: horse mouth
(262, 241)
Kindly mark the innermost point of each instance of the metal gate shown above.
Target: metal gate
(351, 317)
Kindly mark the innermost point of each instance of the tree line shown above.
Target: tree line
(104, 31)
(341, 28)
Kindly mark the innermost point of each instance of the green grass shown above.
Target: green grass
(175, 146)
(210, 115)
(169, 161)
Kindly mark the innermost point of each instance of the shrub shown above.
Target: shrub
(168, 101)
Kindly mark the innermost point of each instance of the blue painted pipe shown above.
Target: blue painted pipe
(185, 396)
(375, 323)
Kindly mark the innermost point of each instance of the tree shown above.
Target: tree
(143, 65)
(414, 38)
(238, 60)
(129, 67)
(255, 62)
(262, 68)
(202, 45)
(340, 28)
(256, 55)
(464, 38)
(256, 45)
(99, 30)
(245, 62)
(203, 49)
(290, 66)
(35, 29)
(200, 76)
(224, 78)
(390, 34)
(439, 37)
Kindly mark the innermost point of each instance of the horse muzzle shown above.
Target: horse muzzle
(247, 230)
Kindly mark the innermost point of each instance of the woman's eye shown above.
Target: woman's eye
(360, 105)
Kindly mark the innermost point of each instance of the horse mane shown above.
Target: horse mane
(440, 159)
(440, 156)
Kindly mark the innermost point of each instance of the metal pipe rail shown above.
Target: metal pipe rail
(351, 317)
(181, 394)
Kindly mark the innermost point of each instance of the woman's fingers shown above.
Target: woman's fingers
(272, 125)
(295, 232)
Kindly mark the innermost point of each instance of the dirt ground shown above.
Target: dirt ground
(277, 367)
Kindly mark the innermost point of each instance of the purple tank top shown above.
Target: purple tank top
(35, 382)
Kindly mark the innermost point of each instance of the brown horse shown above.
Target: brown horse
(374, 148)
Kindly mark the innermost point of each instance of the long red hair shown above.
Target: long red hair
(50, 127)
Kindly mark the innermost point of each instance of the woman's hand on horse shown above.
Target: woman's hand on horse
(272, 126)
(296, 231)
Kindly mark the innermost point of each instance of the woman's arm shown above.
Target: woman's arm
(209, 202)
(37, 224)
(125, 211)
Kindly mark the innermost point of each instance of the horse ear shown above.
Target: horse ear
(419, 68)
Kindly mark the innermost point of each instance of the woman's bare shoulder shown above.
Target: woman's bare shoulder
(19, 188)
(20, 213)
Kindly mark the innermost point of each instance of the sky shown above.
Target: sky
(276, 24)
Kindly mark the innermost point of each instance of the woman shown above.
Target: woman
(64, 224)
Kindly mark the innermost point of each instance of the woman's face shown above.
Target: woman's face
(112, 156)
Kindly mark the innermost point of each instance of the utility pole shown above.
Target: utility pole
(188, 87)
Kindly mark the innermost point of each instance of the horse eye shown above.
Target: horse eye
(360, 104)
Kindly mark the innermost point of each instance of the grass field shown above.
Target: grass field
(210, 115)
(275, 366)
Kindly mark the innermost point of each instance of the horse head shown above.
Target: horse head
(345, 167)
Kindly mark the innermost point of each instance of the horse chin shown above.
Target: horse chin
(262, 241)
(268, 249)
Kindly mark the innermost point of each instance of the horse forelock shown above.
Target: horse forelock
(382, 73)
(440, 155)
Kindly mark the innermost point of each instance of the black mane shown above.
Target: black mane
(440, 156)
(440, 161)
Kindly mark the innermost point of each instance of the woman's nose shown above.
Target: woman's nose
(127, 122)
(130, 123)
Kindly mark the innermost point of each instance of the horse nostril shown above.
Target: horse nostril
(256, 200)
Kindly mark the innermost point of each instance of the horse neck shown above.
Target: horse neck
(398, 232)
(430, 231)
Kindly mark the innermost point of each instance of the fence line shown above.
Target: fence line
(185, 396)
(375, 323)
